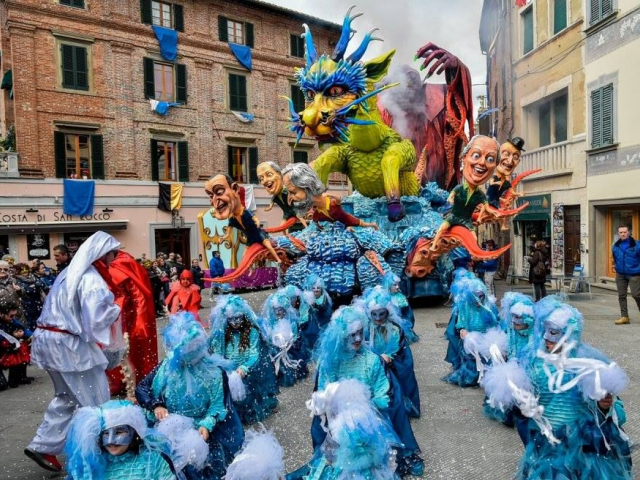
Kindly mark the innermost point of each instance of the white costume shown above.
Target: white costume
(81, 305)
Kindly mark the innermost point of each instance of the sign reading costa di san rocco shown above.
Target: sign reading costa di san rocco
(55, 216)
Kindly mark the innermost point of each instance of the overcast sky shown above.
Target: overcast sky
(406, 25)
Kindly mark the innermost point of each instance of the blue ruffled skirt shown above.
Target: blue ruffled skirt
(262, 389)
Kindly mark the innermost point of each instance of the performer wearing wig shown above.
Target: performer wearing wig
(113, 442)
(385, 336)
(288, 352)
(391, 282)
(307, 324)
(235, 335)
(342, 354)
(360, 443)
(315, 293)
(472, 311)
(190, 382)
(77, 316)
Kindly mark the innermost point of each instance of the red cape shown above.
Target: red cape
(138, 319)
(186, 299)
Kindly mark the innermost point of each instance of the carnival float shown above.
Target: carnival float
(418, 189)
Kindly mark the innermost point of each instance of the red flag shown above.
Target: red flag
(521, 3)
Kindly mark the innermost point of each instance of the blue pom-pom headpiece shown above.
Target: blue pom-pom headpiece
(185, 341)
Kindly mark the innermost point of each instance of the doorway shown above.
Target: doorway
(176, 240)
(572, 252)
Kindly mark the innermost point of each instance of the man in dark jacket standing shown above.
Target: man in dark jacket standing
(216, 269)
(626, 261)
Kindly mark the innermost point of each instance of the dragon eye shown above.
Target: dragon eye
(336, 91)
(310, 94)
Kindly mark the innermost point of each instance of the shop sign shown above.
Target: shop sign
(56, 216)
(537, 204)
(38, 246)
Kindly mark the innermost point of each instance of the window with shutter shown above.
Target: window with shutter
(239, 163)
(602, 117)
(162, 14)
(60, 154)
(183, 161)
(145, 12)
(596, 118)
(600, 9)
(544, 124)
(97, 157)
(73, 3)
(552, 119)
(560, 118)
(178, 17)
(238, 92)
(297, 96)
(223, 32)
(75, 67)
(163, 160)
(297, 46)
(76, 156)
(235, 32)
(559, 15)
(181, 83)
(248, 37)
(300, 156)
(527, 30)
(607, 115)
(253, 165)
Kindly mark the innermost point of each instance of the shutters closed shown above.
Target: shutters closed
(183, 161)
(97, 157)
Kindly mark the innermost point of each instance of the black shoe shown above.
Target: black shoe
(46, 461)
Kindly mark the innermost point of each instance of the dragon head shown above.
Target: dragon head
(337, 90)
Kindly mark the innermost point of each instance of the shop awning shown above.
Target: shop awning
(539, 208)
(62, 227)
(531, 217)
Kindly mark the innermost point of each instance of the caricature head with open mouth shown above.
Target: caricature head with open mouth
(270, 177)
(480, 157)
(223, 196)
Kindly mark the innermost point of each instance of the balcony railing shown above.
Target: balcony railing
(9, 164)
(554, 158)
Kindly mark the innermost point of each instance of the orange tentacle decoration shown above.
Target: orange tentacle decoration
(297, 243)
(371, 256)
(422, 260)
(283, 226)
(488, 214)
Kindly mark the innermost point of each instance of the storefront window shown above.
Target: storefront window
(614, 219)
(534, 231)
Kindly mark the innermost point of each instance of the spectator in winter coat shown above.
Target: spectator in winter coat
(197, 273)
(538, 269)
(45, 275)
(626, 259)
(62, 256)
(216, 269)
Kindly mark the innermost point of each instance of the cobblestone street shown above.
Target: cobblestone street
(457, 441)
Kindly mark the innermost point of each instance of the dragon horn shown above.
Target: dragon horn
(345, 36)
(309, 47)
(360, 51)
(294, 115)
(358, 101)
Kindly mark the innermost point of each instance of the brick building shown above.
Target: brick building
(78, 79)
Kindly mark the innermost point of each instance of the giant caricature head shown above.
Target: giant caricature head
(335, 88)
(270, 177)
(303, 184)
(479, 158)
(223, 196)
(510, 152)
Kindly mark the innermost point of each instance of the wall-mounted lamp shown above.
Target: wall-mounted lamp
(32, 210)
(107, 210)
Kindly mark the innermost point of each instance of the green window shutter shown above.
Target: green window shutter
(297, 46)
(237, 92)
(298, 98)
(154, 160)
(242, 93)
(233, 89)
(527, 20)
(596, 118)
(178, 17)
(60, 153)
(607, 7)
(294, 46)
(300, 157)
(561, 118)
(594, 11)
(231, 162)
(145, 12)
(253, 165)
(81, 68)
(607, 115)
(544, 124)
(559, 15)
(149, 79)
(97, 157)
(223, 32)
(68, 72)
(248, 34)
(181, 83)
(183, 161)
(78, 3)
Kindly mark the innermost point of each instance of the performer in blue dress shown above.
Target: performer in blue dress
(235, 335)
(288, 352)
(190, 382)
(472, 311)
(307, 323)
(316, 295)
(391, 282)
(343, 354)
(386, 337)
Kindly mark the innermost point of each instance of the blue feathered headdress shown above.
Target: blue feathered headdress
(227, 306)
(185, 341)
(333, 344)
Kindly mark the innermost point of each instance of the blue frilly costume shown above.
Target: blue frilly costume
(87, 460)
(307, 322)
(472, 311)
(321, 306)
(337, 361)
(253, 358)
(592, 442)
(389, 339)
(287, 349)
(191, 382)
(391, 282)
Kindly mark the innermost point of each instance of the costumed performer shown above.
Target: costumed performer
(15, 353)
(307, 324)
(224, 197)
(386, 337)
(77, 316)
(307, 193)
(190, 382)
(473, 311)
(113, 442)
(138, 319)
(270, 177)
(343, 354)
(288, 352)
(360, 442)
(479, 160)
(235, 335)
(184, 296)
(316, 295)
(391, 282)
